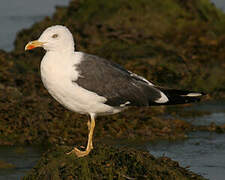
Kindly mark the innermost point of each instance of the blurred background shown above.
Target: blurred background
(16, 15)
(203, 152)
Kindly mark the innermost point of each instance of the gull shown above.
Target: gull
(88, 84)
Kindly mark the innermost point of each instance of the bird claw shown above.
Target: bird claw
(78, 152)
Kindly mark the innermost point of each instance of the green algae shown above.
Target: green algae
(6, 165)
(177, 40)
(106, 162)
(174, 43)
(178, 44)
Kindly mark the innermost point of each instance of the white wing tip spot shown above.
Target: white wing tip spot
(162, 99)
(193, 94)
(126, 103)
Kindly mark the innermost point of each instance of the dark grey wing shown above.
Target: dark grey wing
(115, 83)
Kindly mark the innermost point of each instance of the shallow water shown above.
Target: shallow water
(219, 3)
(216, 110)
(18, 14)
(204, 152)
(14, 16)
(22, 158)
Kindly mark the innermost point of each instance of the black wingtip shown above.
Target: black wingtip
(182, 96)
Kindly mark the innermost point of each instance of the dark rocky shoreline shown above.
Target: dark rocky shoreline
(30, 116)
(174, 43)
(107, 162)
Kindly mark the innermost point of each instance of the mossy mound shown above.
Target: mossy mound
(106, 162)
(175, 43)
(30, 116)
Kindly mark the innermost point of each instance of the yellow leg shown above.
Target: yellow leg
(91, 126)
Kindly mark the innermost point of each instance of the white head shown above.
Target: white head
(55, 38)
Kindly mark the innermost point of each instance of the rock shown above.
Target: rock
(107, 162)
(6, 165)
(168, 42)
(175, 43)
(180, 46)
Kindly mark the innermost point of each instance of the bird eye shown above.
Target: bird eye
(54, 35)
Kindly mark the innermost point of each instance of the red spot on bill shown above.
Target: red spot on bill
(30, 47)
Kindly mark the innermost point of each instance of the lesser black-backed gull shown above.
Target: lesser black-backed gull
(91, 85)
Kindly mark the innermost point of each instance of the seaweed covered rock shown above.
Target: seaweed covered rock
(175, 43)
(106, 162)
(29, 115)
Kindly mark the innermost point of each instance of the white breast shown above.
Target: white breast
(58, 73)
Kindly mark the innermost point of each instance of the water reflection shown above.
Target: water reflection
(216, 110)
(203, 152)
(219, 4)
(16, 15)
(22, 158)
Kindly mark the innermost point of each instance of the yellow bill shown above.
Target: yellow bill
(33, 44)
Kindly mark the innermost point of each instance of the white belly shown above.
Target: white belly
(58, 79)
